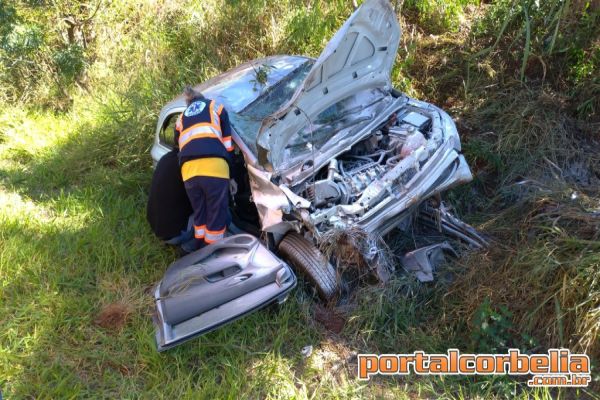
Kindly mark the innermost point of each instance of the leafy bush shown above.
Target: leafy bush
(70, 62)
(493, 330)
(41, 53)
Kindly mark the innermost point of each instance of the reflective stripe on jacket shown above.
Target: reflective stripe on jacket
(208, 166)
(203, 131)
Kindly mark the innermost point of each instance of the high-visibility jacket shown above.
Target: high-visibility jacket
(203, 131)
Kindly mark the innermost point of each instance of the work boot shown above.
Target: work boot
(192, 245)
(232, 229)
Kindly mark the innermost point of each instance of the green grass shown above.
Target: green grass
(75, 169)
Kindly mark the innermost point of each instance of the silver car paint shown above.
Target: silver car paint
(386, 202)
(359, 56)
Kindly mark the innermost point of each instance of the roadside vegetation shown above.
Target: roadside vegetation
(82, 83)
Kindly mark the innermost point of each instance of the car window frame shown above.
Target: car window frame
(162, 136)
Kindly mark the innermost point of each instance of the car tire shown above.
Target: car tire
(309, 262)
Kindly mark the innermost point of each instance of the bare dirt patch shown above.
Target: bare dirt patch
(114, 316)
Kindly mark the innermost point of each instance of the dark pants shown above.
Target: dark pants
(209, 197)
(168, 207)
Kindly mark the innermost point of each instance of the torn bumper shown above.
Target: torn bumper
(424, 261)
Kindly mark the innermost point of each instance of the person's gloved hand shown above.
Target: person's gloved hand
(233, 187)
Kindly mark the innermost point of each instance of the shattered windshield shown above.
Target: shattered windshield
(243, 86)
(282, 82)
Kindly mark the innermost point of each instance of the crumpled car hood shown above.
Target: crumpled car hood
(359, 56)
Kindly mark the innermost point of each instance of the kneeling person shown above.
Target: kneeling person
(204, 136)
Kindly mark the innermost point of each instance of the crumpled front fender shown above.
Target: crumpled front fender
(273, 201)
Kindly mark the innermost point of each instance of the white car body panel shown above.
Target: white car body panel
(359, 56)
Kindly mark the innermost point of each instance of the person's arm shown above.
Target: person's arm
(228, 143)
(177, 130)
(225, 129)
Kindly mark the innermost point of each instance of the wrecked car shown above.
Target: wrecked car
(320, 145)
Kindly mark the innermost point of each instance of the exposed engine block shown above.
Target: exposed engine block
(348, 176)
(352, 183)
(338, 188)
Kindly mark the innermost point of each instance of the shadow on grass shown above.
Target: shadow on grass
(85, 243)
(57, 278)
